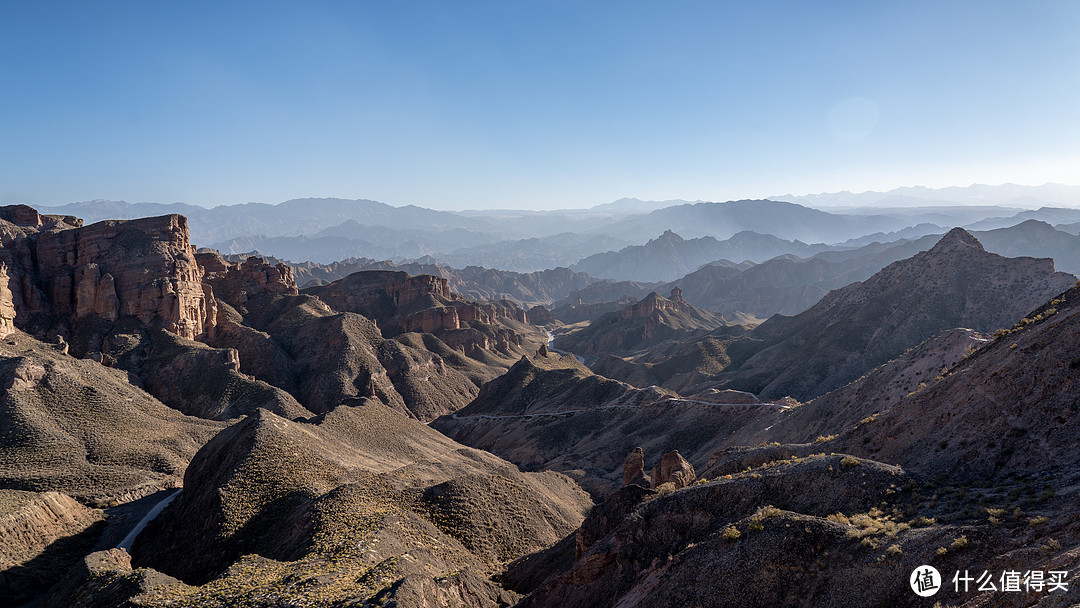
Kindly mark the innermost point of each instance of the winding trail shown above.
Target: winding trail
(158, 508)
(670, 400)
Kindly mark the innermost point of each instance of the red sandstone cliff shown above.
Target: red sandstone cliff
(143, 268)
(235, 282)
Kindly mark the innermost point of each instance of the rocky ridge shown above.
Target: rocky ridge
(641, 325)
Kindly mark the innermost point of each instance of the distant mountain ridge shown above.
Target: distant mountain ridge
(669, 256)
(331, 229)
(981, 194)
(290, 218)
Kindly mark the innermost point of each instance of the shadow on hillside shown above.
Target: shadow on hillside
(22, 583)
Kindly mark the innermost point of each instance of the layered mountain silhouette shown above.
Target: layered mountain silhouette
(670, 256)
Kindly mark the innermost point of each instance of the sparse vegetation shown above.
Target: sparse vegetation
(1051, 547)
(731, 534)
(1035, 522)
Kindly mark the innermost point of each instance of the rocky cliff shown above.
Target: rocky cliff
(233, 281)
(139, 268)
(7, 304)
(64, 273)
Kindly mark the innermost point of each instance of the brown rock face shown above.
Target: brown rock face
(137, 268)
(7, 307)
(235, 283)
(634, 468)
(653, 303)
(675, 469)
(538, 315)
(382, 295)
(28, 217)
(400, 303)
(432, 320)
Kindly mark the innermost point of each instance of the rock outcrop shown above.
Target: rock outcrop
(641, 325)
(62, 273)
(673, 469)
(634, 469)
(538, 315)
(236, 282)
(400, 303)
(139, 268)
(7, 306)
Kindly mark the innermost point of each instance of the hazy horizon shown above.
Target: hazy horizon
(827, 204)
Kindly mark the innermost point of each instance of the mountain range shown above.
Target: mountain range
(326, 230)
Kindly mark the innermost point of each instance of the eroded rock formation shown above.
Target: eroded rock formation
(400, 303)
(675, 469)
(235, 282)
(634, 469)
(7, 306)
(65, 272)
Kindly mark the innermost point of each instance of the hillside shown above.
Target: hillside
(1011, 406)
(552, 413)
(989, 477)
(358, 505)
(75, 426)
(852, 330)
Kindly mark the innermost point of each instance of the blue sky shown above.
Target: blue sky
(456, 105)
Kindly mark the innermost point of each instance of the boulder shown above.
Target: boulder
(675, 469)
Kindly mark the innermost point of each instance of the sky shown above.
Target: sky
(530, 104)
